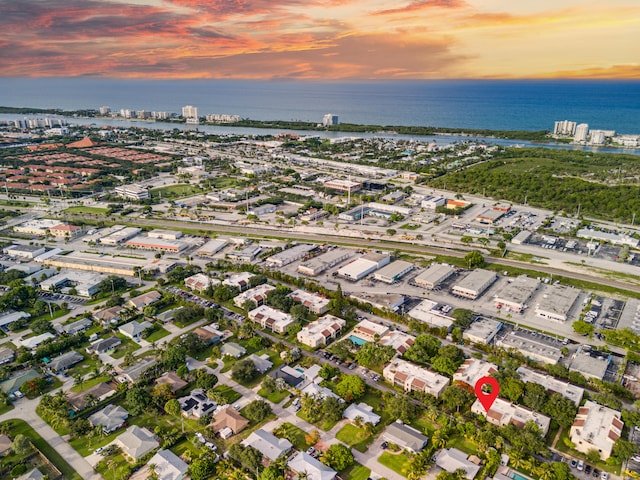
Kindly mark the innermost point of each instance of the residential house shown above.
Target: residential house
(171, 379)
(452, 459)
(134, 329)
(228, 423)
(111, 418)
(32, 343)
(104, 345)
(262, 362)
(168, 466)
(315, 469)
(209, 334)
(136, 442)
(133, 373)
(75, 327)
(268, 444)
(6, 355)
(319, 393)
(62, 362)
(291, 376)
(406, 437)
(5, 445)
(34, 474)
(232, 349)
(197, 404)
(15, 381)
(109, 316)
(99, 393)
(362, 411)
(145, 299)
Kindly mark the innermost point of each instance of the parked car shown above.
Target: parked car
(587, 469)
(604, 476)
(384, 445)
(311, 450)
(596, 473)
(574, 463)
(580, 465)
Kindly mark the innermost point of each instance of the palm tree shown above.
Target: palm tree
(544, 471)
(303, 475)
(369, 429)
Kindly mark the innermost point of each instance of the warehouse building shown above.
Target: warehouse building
(343, 185)
(431, 202)
(156, 244)
(411, 378)
(165, 234)
(482, 331)
(552, 384)
(212, 247)
(290, 255)
(85, 283)
(394, 271)
(489, 216)
(531, 344)
(474, 284)
(323, 262)
(383, 301)
(356, 213)
(260, 210)
(435, 275)
(590, 363)
(556, 302)
(120, 235)
(321, 332)
(28, 252)
(39, 226)
(521, 238)
(431, 313)
(245, 255)
(363, 266)
(125, 266)
(503, 412)
(514, 296)
(391, 209)
(132, 192)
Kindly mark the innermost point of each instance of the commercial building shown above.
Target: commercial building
(452, 460)
(120, 235)
(399, 341)
(290, 255)
(414, 378)
(66, 231)
(489, 216)
(474, 284)
(503, 412)
(315, 303)
(321, 332)
(431, 313)
(257, 295)
(405, 437)
(612, 238)
(356, 213)
(363, 266)
(531, 344)
(270, 318)
(28, 252)
(391, 209)
(343, 185)
(165, 234)
(212, 247)
(86, 284)
(514, 296)
(394, 271)
(367, 331)
(521, 238)
(124, 266)
(473, 370)
(482, 331)
(590, 363)
(383, 301)
(321, 263)
(431, 202)
(552, 384)
(40, 226)
(556, 302)
(245, 255)
(132, 192)
(596, 427)
(436, 274)
(260, 210)
(156, 244)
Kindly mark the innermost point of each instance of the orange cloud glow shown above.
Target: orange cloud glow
(320, 39)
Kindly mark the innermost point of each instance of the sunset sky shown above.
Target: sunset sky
(321, 39)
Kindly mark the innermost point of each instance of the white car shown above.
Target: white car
(580, 465)
(604, 476)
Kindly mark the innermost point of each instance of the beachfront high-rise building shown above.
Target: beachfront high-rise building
(564, 127)
(330, 119)
(582, 131)
(597, 137)
(189, 111)
(105, 110)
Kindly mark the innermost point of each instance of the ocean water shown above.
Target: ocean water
(490, 104)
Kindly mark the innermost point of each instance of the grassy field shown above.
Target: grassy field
(157, 334)
(396, 462)
(275, 396)
(175, 191)
(21, 427)
(296, 436)
(128, 346)
(355, 437)
(356, 472)
(228, 393)
(87, 384)
(87, 210)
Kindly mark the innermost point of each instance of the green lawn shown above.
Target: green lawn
(89, 210)
(86, 445)
(174, 191)
(19, 426)
(7, 408)
(461, 443)
(87, 384)
(158, 333)
(323, 424)
(355, 437)
(356, 472)
(228, 393)
(128, 346)
(275, 396)
(114, 467)
(296, 436)
(396, 462)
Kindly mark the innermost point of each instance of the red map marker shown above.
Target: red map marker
(487, 398)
